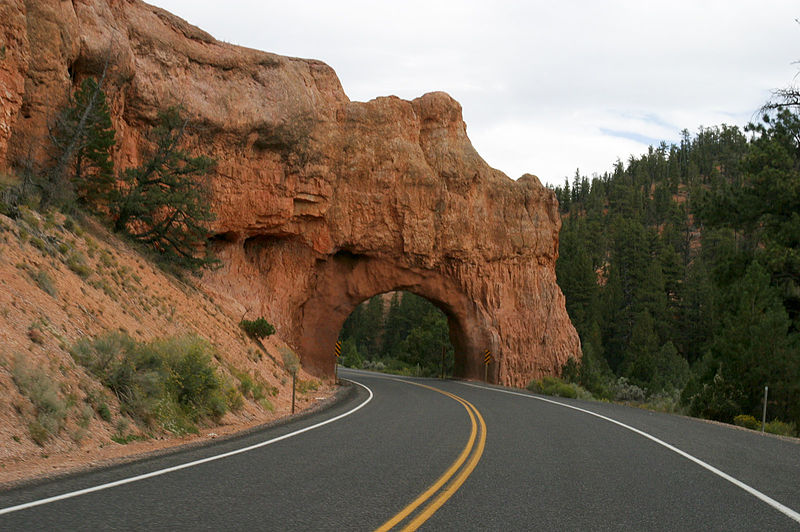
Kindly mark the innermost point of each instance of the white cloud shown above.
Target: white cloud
(540, 82)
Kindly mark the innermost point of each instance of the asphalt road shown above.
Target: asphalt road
(503, 461)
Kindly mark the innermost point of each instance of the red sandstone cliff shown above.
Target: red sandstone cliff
(321, 202)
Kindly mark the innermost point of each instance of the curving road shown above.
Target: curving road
(442, 455)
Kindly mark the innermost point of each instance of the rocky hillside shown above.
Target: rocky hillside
(320, 202)
(63, 280)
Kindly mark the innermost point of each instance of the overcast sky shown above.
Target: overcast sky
(546, 86)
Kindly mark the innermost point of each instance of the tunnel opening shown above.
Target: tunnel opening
(399, 332)
(348, 279)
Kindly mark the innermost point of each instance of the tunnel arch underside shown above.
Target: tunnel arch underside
(346, 280)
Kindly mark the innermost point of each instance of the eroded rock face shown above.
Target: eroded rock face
(321, 202)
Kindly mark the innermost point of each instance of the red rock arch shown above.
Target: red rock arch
(346, 280)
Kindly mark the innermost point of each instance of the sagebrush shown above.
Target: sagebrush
(168, 382)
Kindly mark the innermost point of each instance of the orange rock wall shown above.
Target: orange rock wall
(321, 202)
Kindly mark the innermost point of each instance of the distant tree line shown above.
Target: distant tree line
(405, 336)
(681, 271)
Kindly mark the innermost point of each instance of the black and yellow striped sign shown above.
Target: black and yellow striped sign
(487, 357)
(338, 348)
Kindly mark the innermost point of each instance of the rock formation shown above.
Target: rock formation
(321, 202)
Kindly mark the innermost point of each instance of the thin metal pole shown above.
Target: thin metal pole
(293, 388)
(486, 373)
(764, 416)
(442, 362)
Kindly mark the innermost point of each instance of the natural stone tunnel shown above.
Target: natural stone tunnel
(347, 280)
(320, 202)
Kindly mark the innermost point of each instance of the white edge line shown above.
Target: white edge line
(159, 472)
(749, 489)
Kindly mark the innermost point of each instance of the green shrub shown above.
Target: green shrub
(122, 436)
(557, 387)
(170, 382)
(103, 284)
(30, 218)
(104, 412)
(39, 244)
(290, 361)
(720, 399)
(747, 421)
(124, 439)
(39, 434)
(45, 282)
(254, 355)
(781, 428)
(193, 381)
(257, 329)
(100, 355)
(39, 388)
(77, 263)
(669, 402)
(85, 416)
(307, 386)
(233, 398)
(246, 384)
(251, 385)
(626, 391)
(173, 418)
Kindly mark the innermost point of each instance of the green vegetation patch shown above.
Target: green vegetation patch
(405, 337)
(559, 388)
(681, 271)
(76, 262)
(781, 428)
(306, 386)
(44, 281)
(257, 329)
(168, 382)
(747, 421)
(42, 391)
(251, 385)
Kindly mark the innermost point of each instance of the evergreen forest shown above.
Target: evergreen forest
(399, 332)
(681, 272)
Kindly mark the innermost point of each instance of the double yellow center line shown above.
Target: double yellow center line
(452, 479)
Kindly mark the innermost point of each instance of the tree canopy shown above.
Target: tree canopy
(681, 268)
(407, 336)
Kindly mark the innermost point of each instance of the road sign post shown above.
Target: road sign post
(294, 387)
(442, 362)
(338, 350)
(487, 359)
(764, 416)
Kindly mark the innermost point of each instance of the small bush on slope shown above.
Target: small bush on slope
(51, 410)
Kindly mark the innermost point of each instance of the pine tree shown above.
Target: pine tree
(165, 202)
(754, 347)
(423, 346)
(770, 202)
(83, 138)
